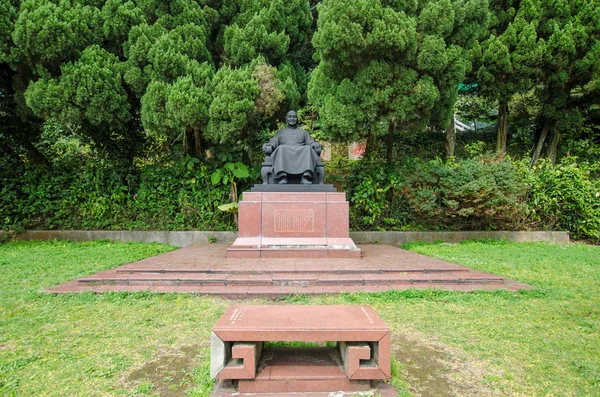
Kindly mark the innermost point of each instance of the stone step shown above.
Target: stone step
(278, 269)
(205, 269)
(290, 279)
(292, 252)
(275, 292)
(226, 389)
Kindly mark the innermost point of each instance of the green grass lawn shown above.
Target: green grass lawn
(544, 342)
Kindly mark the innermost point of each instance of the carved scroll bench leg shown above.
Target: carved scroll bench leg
(375, 359)
(234, 361)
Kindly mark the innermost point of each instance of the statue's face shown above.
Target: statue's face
(291, 118)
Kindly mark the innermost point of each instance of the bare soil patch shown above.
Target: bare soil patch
(433, 369)
(170, 372)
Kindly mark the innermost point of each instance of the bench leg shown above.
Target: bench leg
(375, 357)
(234, 361)
(220, 354)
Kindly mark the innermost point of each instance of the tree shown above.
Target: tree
(385, 66)
(570, 79)
(119, 17)
(19, 130)
(48, 34)
(268, 28)
(90, 96)
(37, 38)
(170, 68)
(181, 108)
(508, 61)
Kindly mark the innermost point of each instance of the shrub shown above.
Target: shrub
(169, 195)
(478, 194)
(372, 192)
(567, 197)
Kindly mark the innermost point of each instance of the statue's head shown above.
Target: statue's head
(292, 118)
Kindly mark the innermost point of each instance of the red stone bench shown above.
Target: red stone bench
(361, 355)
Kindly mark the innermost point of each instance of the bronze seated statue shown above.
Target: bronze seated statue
(292, 157)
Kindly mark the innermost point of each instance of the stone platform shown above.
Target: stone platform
(293, 224)
(205, 269)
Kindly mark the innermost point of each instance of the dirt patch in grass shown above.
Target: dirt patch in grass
(433, 369)
(169, 375)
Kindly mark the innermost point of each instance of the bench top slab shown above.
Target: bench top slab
(288, 323)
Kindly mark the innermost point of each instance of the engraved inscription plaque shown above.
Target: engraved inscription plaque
(294, 220)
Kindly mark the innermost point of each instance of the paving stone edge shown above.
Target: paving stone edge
(186, 238)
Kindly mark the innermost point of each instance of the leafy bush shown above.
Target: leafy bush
(169, 195)
(474, 194)
(567, 197)
(373, 194)
(478, 193)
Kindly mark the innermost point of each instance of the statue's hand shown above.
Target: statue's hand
(268, 149)
(317, 148)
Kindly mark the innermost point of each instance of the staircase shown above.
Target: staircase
(204, 269)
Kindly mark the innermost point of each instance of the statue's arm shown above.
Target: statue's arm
(270, 146)
(316, 146)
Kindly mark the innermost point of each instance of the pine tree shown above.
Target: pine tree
(508, 61)
(570, 79)
(385, 66)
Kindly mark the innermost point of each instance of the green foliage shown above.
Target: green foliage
(544, 49)
(387, 66)
(267, 29)
(509, 59)
(126, 75)
(102, 91)
(170, 195)
(473, 194)
(476, 193)
(372, 194)
(233, 107)
(119, 17)
(179, 195)
(567, 197)
(88, 91)
(230, 175)
(46, 34)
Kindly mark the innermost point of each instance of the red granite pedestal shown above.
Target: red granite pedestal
(359, 360)
(293, 225)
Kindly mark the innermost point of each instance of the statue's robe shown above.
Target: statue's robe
(293, 152)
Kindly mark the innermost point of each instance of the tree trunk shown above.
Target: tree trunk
(553, 146)
(233, 197)
(450, 139)
(370, 145)
(540, 144)
(198, 142)
(502, 124)
(247, 155)
(186, 146)
(390, 142)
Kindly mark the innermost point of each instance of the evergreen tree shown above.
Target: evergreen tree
(570, 80)
(90, 96)
(385, 66)
(509, 60)
(268, 28)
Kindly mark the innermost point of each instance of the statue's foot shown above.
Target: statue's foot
(306, 180)
(283, 180)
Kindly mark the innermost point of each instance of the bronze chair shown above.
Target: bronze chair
(269, 178)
